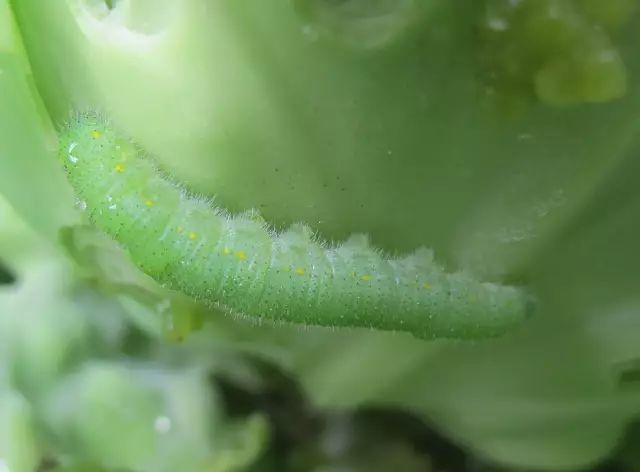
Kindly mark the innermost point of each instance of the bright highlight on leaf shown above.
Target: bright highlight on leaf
(562, 52)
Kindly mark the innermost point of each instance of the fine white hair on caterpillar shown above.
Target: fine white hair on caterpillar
(239, 263)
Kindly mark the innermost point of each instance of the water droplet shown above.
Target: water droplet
(163, 306)
(162, 424)
(497, 24)
(70, 149)
(558, 197)
(554, 12)
(310, 32)
(607, 55)
(81, 205)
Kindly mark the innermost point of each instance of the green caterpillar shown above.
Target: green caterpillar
(239, 263)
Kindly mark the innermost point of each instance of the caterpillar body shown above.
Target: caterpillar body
(240, 263)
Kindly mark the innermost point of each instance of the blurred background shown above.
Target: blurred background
(501, 133)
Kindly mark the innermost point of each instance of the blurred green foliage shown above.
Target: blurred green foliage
(387, 117)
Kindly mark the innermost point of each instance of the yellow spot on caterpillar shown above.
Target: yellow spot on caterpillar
(226, 251)
(300, 271)
(426, 285)
(179, 229)
(95, 134)
(365, 277)
(119, 168)
(149, 203)
(241, 255)
(193, 236)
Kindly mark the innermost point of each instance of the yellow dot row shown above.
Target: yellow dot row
(239, 254)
